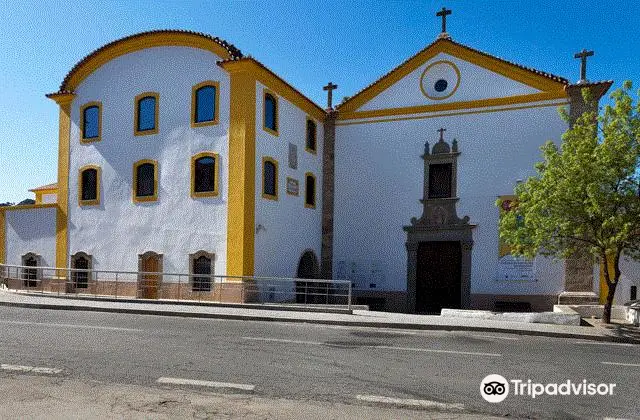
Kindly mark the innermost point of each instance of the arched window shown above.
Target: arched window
(204, 104)
(204, 175)
(201, 267)
(145, 180)
(30, 276)
(310, 190)
(81, 261)
(91, 122)
(269, 178)
(89, 186)
(270, 113)
(310, 144)
(146, 115)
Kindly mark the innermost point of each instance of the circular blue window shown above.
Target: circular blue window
(440, 85)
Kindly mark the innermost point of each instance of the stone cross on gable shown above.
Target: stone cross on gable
(582, 55)
(444, 13)
(330, 88)
(441, 131)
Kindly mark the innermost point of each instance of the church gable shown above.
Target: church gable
(448, 75)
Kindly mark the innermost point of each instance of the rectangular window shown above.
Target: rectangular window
(145, 181)
(89, 186)
(270, 111)
(90, 122)
(440, 180)
(204, 104)
(310, 144)
(269, 178)
(204, 175)
(146, 113)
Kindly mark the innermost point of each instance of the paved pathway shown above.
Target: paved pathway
(357, 318)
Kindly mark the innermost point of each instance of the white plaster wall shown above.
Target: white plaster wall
(630, 275)
(379, 180)
(49, 198)
(117, 230)
(32, 230)
(475, 83)
(289, 227)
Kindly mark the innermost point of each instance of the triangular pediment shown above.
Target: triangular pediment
(447, 73)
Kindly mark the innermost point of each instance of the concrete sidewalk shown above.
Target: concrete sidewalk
(359, 318)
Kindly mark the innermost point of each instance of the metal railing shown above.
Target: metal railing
(176, 286)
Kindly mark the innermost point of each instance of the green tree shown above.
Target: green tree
(585, 193)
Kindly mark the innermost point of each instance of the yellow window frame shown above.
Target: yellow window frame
(194, 99)
(306, 146)
(147, 198)
(216, 169)
(266, 159)
(83, 139)
(315, 190)
(95, 202)
(136, 113)
(275, 132)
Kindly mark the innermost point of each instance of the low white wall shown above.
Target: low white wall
(31, 230)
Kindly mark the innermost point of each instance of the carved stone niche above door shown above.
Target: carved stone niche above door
(439, 221)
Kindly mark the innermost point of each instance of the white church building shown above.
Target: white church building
(177, 153)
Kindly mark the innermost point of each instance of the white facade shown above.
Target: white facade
(176, 225)
(285, 228)
(496, 150)
(31, 231)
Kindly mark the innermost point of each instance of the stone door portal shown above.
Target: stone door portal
(438, 282)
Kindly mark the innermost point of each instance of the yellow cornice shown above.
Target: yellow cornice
(452, 106)
(61, 98)
(512, 71)
(275, 83)
(450, 114)
(27, 207)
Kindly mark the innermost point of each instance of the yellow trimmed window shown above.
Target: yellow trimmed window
(269, 178)
(145, 180)
(309, 190)
(270, 113)
(310, 144)
(89, 185)
(146, 113)
(91, 122)
(205, 104)
(204, 174)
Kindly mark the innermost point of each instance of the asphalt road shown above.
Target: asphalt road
(356, 366)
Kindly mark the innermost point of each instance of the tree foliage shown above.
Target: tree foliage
(585, 192)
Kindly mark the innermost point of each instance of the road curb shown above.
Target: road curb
(370, 324)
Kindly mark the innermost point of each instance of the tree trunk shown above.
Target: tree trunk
(611, 286)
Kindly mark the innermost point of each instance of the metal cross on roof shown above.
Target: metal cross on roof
(582, 55)
(444, 13)
(330, 88)
(442, 130)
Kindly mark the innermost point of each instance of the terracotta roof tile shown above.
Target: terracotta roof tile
(45, 187)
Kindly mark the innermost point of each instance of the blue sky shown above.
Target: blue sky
(308, 43)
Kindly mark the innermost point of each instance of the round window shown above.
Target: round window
(440, 80)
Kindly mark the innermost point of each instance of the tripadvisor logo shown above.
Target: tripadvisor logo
(495, 388)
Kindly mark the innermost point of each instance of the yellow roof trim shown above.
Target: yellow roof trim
(46, 188)
(276, 84)
(452, 106)
(142, 41)
(529, 77)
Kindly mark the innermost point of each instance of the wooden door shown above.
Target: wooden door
(438, 276)
(149, 283)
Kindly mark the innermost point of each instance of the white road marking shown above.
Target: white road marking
(196, 382)
(34, 369)
(621, 364)
(604, 343)
(409, 402)
(49, 324)
(491, 336)
(315, 343)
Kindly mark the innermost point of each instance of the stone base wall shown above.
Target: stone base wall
(389, 301)
(220, 292)
(513, 303)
